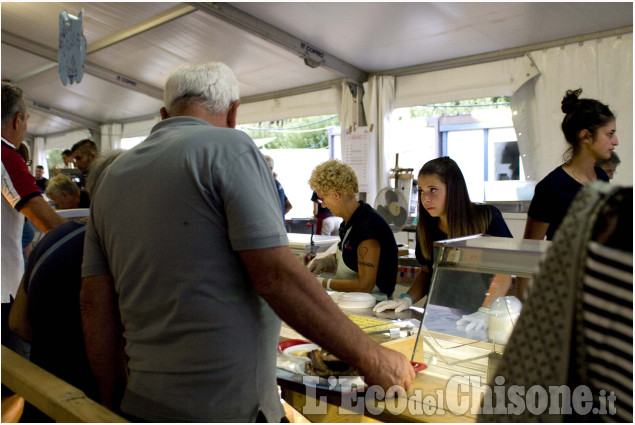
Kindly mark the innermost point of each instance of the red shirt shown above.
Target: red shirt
(18, 184)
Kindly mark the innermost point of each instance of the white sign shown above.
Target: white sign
(356, 152)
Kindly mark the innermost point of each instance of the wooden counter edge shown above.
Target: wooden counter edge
(51, 395)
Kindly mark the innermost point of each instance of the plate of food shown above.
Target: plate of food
(306, 358)
(301, 350)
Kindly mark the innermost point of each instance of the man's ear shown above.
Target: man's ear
(15, 122)
(164, 113)
(232, 114)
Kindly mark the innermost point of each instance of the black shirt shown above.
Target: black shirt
(553, 195)
(41, 183)
(84, 199)
(366, 224)
(457, 289)
(52, 282)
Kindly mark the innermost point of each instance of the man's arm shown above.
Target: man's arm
(18, 317)
(103, 337)
(41, 214)
(287, 205)
(298, 299)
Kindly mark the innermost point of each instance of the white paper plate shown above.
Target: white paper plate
(301, 350)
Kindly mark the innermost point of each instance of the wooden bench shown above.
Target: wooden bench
(59, 400)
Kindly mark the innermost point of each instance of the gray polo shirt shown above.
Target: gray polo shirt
(167, 221)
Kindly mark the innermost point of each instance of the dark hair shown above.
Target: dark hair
(86, 145)
(39, 166)
(12, 102)
(582, 114)
(67, 152)
(464, 217)
(23, 150)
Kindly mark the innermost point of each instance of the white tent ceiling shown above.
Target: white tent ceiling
(133, 46)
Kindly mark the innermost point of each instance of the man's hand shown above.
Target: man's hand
(388, 368)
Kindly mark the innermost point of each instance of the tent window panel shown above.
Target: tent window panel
(297, 146)
(504, 155)
(464, 147)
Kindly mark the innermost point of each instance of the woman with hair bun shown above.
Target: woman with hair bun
(589, 129)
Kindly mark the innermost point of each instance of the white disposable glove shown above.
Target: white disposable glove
(321, 263)
(399, 305)
(475, 321)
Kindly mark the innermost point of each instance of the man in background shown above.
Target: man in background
(67, 159)
(609, 165)
(21, 197)
(65, 194)
(285, 204)
(84, 153)
(40, 180)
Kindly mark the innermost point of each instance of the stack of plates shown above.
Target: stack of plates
(356, 300)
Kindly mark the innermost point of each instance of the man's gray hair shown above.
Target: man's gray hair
(212, 85)
(59, 184)
(12, 102)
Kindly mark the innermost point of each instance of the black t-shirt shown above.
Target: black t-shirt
(52, 283)
(465, 291)
(84, 199)
(553, 195)
(41, 183)
(367, 224)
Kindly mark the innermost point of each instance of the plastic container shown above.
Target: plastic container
(503, 315)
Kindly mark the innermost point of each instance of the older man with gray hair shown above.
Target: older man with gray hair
(65, 193)
(20, 198)
(185, 238)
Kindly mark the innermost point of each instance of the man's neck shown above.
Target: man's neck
(200, 112)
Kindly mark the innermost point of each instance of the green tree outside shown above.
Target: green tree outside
(311, 132)
(460, 107)
(293, 133)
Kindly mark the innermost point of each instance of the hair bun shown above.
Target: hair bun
(571, 98)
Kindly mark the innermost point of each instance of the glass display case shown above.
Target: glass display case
(472, 305)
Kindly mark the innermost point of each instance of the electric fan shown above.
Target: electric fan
(392, 207)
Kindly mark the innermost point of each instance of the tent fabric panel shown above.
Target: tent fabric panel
(499, 78)
(323, 102)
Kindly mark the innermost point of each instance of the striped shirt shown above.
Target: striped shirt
(608, 326)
